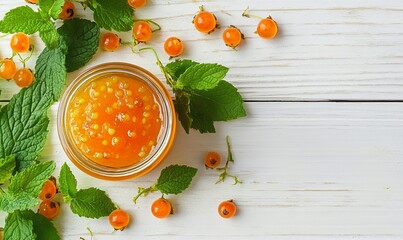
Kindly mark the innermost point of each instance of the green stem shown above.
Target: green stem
(248, 15)
(4, 35)
(160, 65)
(152, 22)
(144, 191)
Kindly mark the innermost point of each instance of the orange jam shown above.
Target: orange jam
(114, 120)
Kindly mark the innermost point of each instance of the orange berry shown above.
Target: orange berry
(68, 10)
(137, 3)
(173, 46)
(49, 209)
(142, 31)
(161, 208)
(212, 160)
(110, 42)
(232, 36)
(7, 69)
(119, 219)
(20, 42)
(205, 22)
(227, 209)
(24, 77)
(267, 28)
(48, 191)
(32, 1)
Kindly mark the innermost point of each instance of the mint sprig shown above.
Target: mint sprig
(112, 15)
(7, 166)
(202, 96)
(82, 39)
(173, 179)
(90, 202)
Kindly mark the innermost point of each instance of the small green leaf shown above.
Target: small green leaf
(182, 109)
(67, 181)
(19, 201)
(222, 103)
(23, 124)
(31, 179)
(177, 68)
(175, 179)
(82, 39)
(113, 15)
(50, 68)
(43, 228)
(7, 166)
(91, 203)
(50, 36)
(22, 19)
(201, 77)
(17, 227)
(52, 8)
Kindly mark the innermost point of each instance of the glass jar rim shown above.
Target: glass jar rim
(165, 138)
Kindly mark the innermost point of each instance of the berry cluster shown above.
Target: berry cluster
(49, 208)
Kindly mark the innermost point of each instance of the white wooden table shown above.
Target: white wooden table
(320, 152)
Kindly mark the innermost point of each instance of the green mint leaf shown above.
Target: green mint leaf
(175, 179)
(49, 36)
(22, 19)
(82, 39)
(113, 15)
(91, 203)
(221, 103)
(43, 228)
(7, 166)
(23, 124)
(67, 181)
(20, 201)
(177, 68)
(50, 68)
(201, 77)
(31, 179)
(18, 227)
(52, 8)
(182, 108)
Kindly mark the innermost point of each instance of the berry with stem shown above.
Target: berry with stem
(232, 36)
(137, 3)
(48, 191)
(212, 160)
(161, 208)
(110, 42)
(225, 174)
(7, 69)
(205, 21)
(173, 46)
(227, 209)
(267, 28)
(68, 11)
(119, 219)
(20, 43)
(142, 30)
(24, 77)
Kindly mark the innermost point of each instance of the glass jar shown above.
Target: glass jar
(82, 129)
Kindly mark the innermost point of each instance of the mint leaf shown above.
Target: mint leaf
(113, 15)
(49, 35)
(91, 203)
(31, 179)
(201, 77)
(67, 181)
(22, 19)
(50, 68)
(222, 103)
(43, 228)
(52, 8)
(17, 227)
(82, 39)
(20, 201)
(177, 68)
(175, 179)
(7, 166)
(23, 124)
(182, 108)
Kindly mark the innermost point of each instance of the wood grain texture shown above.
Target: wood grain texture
(310, 171)
(327, 50)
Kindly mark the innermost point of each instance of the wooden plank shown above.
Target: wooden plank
(310, 171)
(332, 50)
